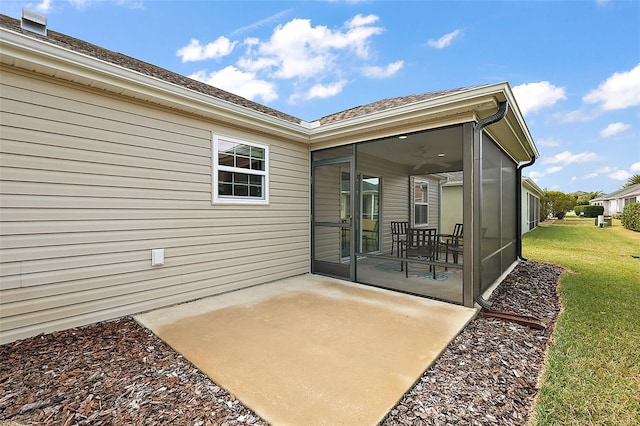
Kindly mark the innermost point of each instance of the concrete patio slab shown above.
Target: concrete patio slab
(312, 350)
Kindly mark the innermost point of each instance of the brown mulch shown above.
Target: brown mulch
(118, 372)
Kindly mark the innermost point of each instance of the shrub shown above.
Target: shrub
(631, 217)
(556, 203)
(589, 211)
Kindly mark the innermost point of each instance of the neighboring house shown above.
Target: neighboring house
(617, 200)
(531, 194)
(452, 202)
(125, 187)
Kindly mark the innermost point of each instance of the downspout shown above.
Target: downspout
(503, 107)
(519, 207)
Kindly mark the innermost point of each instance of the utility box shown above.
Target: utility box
(157, 257)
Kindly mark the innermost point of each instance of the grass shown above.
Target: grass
(592, 371)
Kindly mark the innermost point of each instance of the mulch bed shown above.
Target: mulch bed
(118, 372)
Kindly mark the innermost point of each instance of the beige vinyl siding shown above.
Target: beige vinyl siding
(395, 193)
(452, 205)
(90, 183)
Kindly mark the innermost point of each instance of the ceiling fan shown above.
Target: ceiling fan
(430, 157)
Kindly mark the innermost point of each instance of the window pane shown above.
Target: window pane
(225, 159)
(241, 178)
(255, 180)
(421, 214)
(257, 152)
(225, 189)
(226, 147)
(257, 164)
(240, 190)
(255, 191)
(421, 193)
(225, 177)
(242, 162)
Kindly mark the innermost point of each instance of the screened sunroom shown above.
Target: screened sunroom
(431, 212)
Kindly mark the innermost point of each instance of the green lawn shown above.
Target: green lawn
(592, 372)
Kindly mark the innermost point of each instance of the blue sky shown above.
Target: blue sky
(574, 66)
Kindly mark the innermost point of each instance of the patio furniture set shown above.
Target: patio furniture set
(425, 244)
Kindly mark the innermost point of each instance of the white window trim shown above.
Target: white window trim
(422, 182)
(216, 198)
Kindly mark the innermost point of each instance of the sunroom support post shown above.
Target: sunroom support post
(471, 209)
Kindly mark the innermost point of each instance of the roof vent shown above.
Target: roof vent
(34, 22)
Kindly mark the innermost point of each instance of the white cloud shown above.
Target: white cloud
(47, 6)
(620, 175)
(81, 4)
(299, 50)
(307, 55)
(194, 51)
(261, 23)
(635, 167)
(320, 91)
(621, 90)
(359, 21)
(567, 157)
(380, 72)
(242, 83)
(606, 169)
(43, 7)
(573, 179)
(548, 142)
(590, 176)
(577, 116)
(613, 129)
(532, 97)
(548, 171)
(445, 40)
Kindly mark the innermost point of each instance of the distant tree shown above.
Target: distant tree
(556, 203)
(584, 199)
(632, 180)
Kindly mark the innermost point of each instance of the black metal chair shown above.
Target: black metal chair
(398, 235)
(453, 243)
(421, 243)
(370, 236)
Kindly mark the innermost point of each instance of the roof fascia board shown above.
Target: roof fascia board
(445, 109)
(530, 184)
(388, 130)
(121, 79)
(527, 139)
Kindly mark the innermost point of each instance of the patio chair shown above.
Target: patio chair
(398, 235)
(453, 243)
(370, 236)
(421, 243)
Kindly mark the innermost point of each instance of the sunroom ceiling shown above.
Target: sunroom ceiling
(431, 151)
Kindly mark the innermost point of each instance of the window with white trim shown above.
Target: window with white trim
(420, 203)
(240, 171)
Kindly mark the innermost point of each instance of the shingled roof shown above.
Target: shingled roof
(142, 67)
(387, 104)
